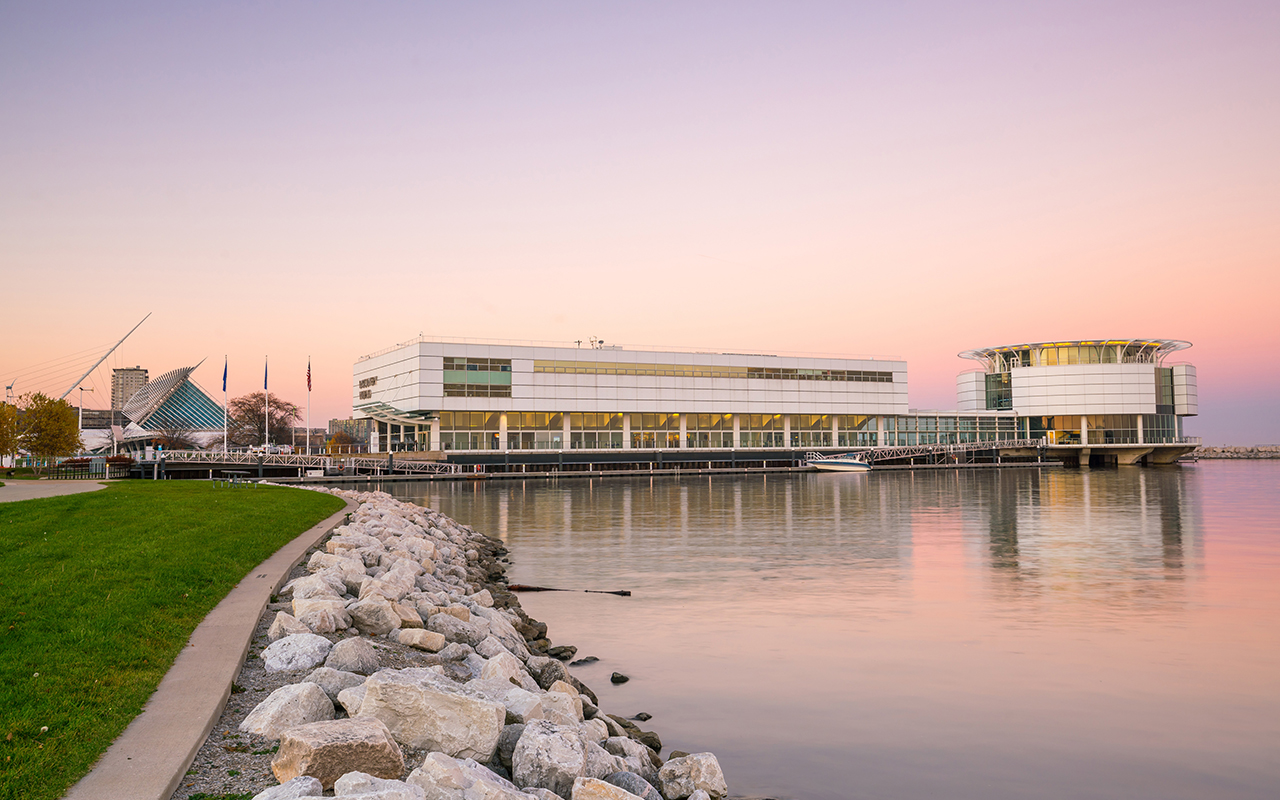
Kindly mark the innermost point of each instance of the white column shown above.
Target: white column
(435, 434)
(684, 428)
(1084, 430)
(835, 430)
(626, 431)
(1142, 436)
(736, 428)
(564, 442)
(502, 431)
(786, 430)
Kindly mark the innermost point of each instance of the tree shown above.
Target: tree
(8, 431)
(47, 428)
(244, 419)
(176, 439)
(339, 441)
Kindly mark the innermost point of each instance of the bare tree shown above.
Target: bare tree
(245, 416)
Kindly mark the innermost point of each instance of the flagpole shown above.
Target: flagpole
(224, 404)
(308, 405)
(266, 408)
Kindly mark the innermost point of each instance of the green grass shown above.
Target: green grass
(99, 592)
(20, 473)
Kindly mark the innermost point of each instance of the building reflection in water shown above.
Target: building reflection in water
(1098, 536)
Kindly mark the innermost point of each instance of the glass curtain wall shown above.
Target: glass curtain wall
(760, 430)
(650, 431)
(709, 430)
(469, 430)
(810, 430)
(856, 431)
(530, 430)
(595, 431)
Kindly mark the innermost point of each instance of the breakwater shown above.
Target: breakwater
(1257, 451)
(396, 664)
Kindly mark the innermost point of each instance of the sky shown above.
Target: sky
(318, 181)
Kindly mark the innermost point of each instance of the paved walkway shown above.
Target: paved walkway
(152, 755)
(14, 490)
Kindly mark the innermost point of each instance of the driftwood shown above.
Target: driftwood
(520, 587)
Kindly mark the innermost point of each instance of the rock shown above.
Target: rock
(328, 750)
(643, 716)
(361, 784)
(596, 789)
(457, 612)
(326, 620)
(374, 616)
(353, 655)
(408, 616)
(290, 705)
(549, 756)
(285, 625)
(350, 699)
(304, 606)
(635, 784)
(482, 598)
(677, 754)
(700, 794)
(522, 706)
(454, 629)
(681, 777)
(541, 794)
(551, 672)
(507, 743)
(618, 677)
(629, 728)
(595, 731)
(560, 708)
(423, 712)
(301, 786)
(562, 652)
(298, 651)
(444, 778)
(584, 661)
(490, 647)
(321, 585)
(601, 763)
(455, 651)
(504, 666)
(421, 639)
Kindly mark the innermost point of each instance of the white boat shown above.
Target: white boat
(849, 462)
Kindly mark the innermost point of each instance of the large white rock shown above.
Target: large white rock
(600, 763)
(320, 585)
(640, 759)
(283, 625)
(427, 712)
(550, 756)
(301, 786)
(299, 651)
(503, 666)
(374, 615)
(333, 681)
(353, 655)
(559, 708)
(329, 749)
(355, 784)
(454, 629)
(594, 730)
(524, 705)
(442, 777)
(681, 777)
(289, 706)
(350, 699)
(421, 639)
(303, 605)
(596, 789)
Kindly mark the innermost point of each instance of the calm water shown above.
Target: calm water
(958, 634)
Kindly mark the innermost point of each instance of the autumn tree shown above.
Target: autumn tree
(244, 419)
(8, 430)
(341, 442)
(47, 428)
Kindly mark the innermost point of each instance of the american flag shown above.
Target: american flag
(308, 374)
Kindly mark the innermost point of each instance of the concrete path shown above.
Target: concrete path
(150, 758)
(14, 490)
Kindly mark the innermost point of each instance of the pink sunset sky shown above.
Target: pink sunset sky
(910, 179)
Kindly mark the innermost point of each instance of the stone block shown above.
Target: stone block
(291, 705)
(328, 750)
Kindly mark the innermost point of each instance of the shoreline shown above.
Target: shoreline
(454, 638)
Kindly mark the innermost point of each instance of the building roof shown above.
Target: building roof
(1134, 350)
(174, 401)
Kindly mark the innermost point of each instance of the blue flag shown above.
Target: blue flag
(224, 374)
(264, 376)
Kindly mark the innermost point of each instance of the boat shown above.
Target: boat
(849, 462)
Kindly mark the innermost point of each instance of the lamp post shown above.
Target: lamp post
(82, 391)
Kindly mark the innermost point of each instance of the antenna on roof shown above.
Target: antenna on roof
(104, 357)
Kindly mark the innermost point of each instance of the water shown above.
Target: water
(961, 634)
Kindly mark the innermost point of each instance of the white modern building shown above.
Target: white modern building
(1119, 399)
(1115, 401)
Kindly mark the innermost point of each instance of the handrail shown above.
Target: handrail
(888, 453)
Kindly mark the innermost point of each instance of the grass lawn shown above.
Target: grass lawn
(99, 592)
